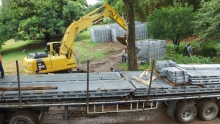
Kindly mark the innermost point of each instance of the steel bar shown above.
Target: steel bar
(19, 88)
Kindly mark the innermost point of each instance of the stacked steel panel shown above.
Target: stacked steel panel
(176, 75)
(100, 34)
(202, 73)
(111, 31)
(104, 84)
(163, 64)
(159, 87)
(168, 69)
(117, 31)
(141, 31)
(67, 90)
(150, 49)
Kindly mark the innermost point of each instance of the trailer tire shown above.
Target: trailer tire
(22, 116)
(200, 102)
(186, 113)
(175, 111)
(2, 118)
(208, 111)
(32, 113)
(218, 103)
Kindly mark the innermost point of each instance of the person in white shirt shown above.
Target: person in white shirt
(124, 55)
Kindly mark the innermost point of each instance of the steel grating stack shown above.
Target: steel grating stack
(62, 77)
(199, 66)
(161, 64)
(175, 75)
(100, 34)
(117, 32)
(104, 84)
(154, 49)
(109, 32)
(202, 73)
(141, 31)
(160, 87)
(142, 48)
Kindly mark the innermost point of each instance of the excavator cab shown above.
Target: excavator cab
(53, 48)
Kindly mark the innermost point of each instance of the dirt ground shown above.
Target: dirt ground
(112, 58)
(156, 116)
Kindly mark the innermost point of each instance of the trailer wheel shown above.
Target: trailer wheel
(175, 111)
(200, 102)
(2, 118)
(218, 103)
(186, 113)
(208, 111)
(32, 113)
(22, 117)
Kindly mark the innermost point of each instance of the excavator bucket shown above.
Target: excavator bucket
(122, 40)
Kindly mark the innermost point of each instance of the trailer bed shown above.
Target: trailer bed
(104, 85)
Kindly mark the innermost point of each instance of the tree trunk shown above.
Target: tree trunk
(47, 37)
(132, 58)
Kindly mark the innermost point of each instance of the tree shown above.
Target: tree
(143, 8)
(207, 22)
(172, 23)
(37, 19)
(93, 7)
(132, 59)
(49, 18)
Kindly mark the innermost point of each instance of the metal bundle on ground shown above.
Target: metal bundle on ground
(100, 34)
(111, 31)
(117, 32)
(141, 31)
(150, 49)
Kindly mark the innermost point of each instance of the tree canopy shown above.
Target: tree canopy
(171, 23)
(25, 20)
(143, 8)
(207, 22)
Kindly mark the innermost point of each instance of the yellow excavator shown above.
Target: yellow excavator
(59, 56)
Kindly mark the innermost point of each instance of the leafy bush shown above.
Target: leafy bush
(179, 58)
(107, 20)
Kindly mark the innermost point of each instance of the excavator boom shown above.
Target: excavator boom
(67, 43)
(60, 55)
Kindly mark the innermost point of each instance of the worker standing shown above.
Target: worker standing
(1, 67)
(187, 50)
(124, 55)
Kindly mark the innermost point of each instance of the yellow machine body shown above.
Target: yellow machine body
(60, 55)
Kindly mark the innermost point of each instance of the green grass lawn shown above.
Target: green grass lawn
(13, 51)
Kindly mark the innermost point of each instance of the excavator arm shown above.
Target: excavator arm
(59, 56)
(67, 43)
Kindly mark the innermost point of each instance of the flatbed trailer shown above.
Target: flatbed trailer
(101, 93)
